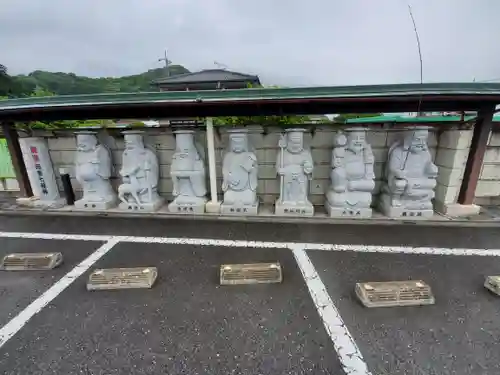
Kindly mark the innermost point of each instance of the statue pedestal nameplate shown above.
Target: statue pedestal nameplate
(356, 213)
(239, 173)
(294, 165)
(140, 174)
(291, 209)
(410, 178)
(188, 176)
(93, 171)
(82, 204)
(352, 176)
(195, 206)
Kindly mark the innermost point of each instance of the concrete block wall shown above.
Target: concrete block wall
(321, 143)
(452, 153)
(62, 151)
(488, 187)
(63, 154)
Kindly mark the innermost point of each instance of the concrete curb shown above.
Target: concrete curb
(257, 219)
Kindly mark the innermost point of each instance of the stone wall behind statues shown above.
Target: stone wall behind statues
(62, 151)
(321, 142)
(488, 187)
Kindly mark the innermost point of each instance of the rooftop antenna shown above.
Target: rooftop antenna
(220, 65)
(167, 63)
(419, 55)
(421, 74)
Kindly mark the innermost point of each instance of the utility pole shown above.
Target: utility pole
(167, 63)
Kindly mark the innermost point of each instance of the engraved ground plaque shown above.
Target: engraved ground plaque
(31, 261)
(394, 293)
(122, 278)
(255, 273)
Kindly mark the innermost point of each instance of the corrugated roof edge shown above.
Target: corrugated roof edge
(409, 119)
(254, 94)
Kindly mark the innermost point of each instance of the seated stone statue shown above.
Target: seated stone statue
(140, 175)
(352, 177)
(294, 165)
(411, 177)
(239, 173)
(188, 176)
(93, 171)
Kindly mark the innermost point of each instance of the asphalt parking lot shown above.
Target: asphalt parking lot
(457, 335)
(190, 324)
(18, 289)
(186, 324)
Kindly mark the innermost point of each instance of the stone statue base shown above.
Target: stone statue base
(196, 206)
(35, 202)
(351, 212)
(83, 204)
(144, 207)
(239, 209)
(293, 209)
(403, 211)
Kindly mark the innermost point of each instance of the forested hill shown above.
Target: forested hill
(71, 84)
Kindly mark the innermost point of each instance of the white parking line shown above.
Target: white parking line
(345, 346)
(348, 352)
(18, 322)
(259, 244)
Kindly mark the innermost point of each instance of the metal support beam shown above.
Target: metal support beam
(482, 130)
(212, 206)
(16, 156)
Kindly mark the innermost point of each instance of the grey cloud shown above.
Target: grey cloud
(292, 42)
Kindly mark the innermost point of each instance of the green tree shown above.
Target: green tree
(5, 81)
(261, 120)
(341, 119)
(72, 84)
(61, 124)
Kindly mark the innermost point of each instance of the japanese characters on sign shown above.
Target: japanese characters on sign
(38, 167)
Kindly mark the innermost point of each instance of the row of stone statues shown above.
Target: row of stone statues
(408, 189)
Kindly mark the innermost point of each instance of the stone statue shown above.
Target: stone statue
(93, 171)
(294, 165)
(352, 177)
(188, 175)
(411, 177)
(140, 175)
(239, 173)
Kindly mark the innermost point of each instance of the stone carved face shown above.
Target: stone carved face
(356, 141)
(86, 142)
(238, 142)
(295, 142)
(418, 141)
(185, 143)
(133, 142)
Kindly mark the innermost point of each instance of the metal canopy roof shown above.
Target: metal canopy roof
(248, 102)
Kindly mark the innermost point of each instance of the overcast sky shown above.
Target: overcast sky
(286, 42)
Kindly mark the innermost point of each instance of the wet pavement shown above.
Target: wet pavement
(457, 335)
(383, 235)
(188, 323)
(19, 289)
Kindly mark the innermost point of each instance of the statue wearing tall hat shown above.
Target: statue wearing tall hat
(188, 175)
(294, 166)
(140, 175)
